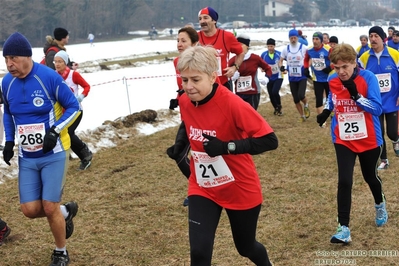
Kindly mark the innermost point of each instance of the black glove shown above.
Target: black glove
(351, 86)
(307, 73)
(282, 68)
(173, 104)
(321, 118)
(8, 151)
(181, 142)
(50, 140)
(327, 70)
(214, 146)
(175, 150)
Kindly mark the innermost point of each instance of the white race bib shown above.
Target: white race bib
(244, 84)
(352, 126)
(384, 80)
(275, 68)
(318, 63)
(30, 136)
(211, 171)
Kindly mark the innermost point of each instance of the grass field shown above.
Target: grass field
(131, 209)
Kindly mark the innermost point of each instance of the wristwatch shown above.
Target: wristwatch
(231, 147)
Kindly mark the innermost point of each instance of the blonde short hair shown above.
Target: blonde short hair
(343, 52)
(199, 58)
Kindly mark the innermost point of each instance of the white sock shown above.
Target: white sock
(64, 211)
(61, 249)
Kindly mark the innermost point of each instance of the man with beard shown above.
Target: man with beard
(294, 54)
(383, 61)
(223, 41)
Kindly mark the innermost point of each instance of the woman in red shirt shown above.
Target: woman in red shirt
(223, 132)
(186, 37)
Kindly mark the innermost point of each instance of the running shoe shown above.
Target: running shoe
(4, 233)
(381, 214)
(306, 111)
(383, 165)
(185, 202)
(84, 164)
(396, 147)
(72, 208)
(343, 235)
(302, 119)
(58, 258)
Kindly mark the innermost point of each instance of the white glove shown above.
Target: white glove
(264, 81)
(235, 76)
(80, 97)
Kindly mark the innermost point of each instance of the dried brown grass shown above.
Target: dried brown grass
(131, 209)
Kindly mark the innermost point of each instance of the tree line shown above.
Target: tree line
(108, 19)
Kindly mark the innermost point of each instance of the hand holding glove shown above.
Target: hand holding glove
(321, 118)
(50, 140)
(214, 146)
(264, 81)
(235, 76)
(80, 97)
(8, 151)
(351, 86)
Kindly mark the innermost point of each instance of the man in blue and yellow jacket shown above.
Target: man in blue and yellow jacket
(383, 61)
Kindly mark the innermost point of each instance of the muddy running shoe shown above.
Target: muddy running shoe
(72, 208)
(343, 235)
(185, 202)
(59, 259)
(383, 165)
(306, 111)
(4, 233)
(396, 147)
(84, 164)
(381, 215)
(279, 112)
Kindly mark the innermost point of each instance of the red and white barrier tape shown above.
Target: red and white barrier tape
(123, 79)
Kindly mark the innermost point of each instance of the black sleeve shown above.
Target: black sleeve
(181, 136)
(255, 146)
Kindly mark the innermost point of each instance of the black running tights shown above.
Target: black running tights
(203, 217)
(346, 163)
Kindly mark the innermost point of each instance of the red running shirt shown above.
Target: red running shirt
(225, 43)
(227, 117)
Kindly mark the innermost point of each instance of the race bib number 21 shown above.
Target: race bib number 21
(211, 171)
